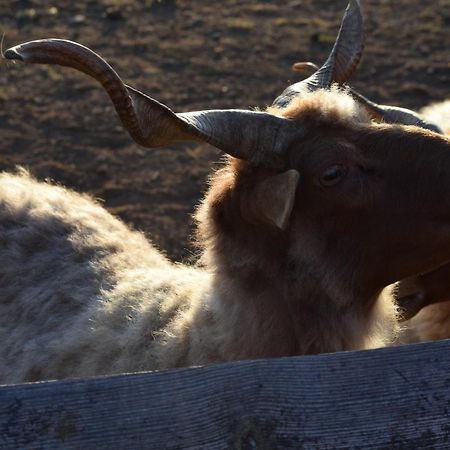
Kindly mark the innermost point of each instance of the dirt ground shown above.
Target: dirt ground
(190, 55)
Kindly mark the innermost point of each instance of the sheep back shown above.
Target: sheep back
(81, 293)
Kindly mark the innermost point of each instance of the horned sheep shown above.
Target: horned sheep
(84, 295)
(297, 233)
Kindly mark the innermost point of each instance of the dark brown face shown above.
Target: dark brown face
(335, 174)
(375, 201)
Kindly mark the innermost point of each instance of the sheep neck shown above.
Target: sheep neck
(268, 314)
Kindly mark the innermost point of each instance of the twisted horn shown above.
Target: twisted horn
(381, 113)
(258, 137)
(393, 114)
(340, 64)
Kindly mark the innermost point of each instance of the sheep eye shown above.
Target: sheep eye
(333, 174)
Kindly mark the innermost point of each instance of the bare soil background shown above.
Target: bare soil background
(190, 55)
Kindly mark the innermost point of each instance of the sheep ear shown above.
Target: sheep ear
(271, 200)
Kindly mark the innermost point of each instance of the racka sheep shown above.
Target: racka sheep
(313, 214)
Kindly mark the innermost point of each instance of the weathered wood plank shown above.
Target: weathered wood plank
(395, 398)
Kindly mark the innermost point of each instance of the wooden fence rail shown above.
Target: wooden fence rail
(395, 398)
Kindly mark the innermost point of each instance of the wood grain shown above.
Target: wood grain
(393, 398)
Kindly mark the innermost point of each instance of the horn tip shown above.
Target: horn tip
(12, 53)
(354, 6)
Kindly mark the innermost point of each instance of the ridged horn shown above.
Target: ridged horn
(258, 137)
(380, 113)
(340, 64)
(393, 114)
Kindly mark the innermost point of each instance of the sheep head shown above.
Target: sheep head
(357, 210)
